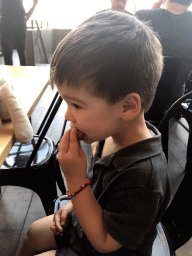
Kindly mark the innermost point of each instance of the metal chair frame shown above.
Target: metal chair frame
(40, 177)
(171, 87)
(177, 218)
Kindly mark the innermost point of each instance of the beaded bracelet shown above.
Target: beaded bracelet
(81, 188)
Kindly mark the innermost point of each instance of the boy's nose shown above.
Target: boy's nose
(69, 116)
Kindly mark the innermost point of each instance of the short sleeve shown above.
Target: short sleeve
(140, 15)
(145, 16)
(133, 215)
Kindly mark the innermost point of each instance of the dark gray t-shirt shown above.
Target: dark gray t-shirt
(132, 187)
(12, 8)
(175, 31)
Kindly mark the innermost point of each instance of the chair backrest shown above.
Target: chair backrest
(35, 165)
(25, 154)
(170, 87)
(48, 120)
(177, 218)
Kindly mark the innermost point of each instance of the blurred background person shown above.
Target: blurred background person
(172, 20)
(117, 5)
(13, 29)
(173, 24)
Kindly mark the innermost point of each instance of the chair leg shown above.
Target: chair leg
(189, 148)
(47, 196)
(41, 180)
(44, 184)
(165, 140)
(178, 215)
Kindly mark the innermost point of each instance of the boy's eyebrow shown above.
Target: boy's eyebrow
(72, 98)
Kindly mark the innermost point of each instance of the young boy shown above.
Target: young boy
(107, 70)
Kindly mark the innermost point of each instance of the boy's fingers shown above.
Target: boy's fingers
(73, 135)
(74, 142)
(57, 222)
(54, 229)
(64, 143)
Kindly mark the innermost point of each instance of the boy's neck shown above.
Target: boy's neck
(129, 135)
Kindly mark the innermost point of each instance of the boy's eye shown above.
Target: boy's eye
(76, 106)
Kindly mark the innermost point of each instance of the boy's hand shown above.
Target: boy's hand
(62, 219)
(72, 158)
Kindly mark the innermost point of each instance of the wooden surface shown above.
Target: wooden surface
(6, 140)
(29, 84)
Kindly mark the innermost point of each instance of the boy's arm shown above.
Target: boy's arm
(89, 213)
(90, 217)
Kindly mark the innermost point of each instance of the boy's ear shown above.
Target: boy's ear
(131, 106)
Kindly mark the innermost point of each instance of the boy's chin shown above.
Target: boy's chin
(87, 140)
(83, 137)
(80, 135)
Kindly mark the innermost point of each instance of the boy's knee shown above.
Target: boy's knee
(39, 235)
(34, 233)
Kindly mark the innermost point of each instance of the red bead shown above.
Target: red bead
(81, 188)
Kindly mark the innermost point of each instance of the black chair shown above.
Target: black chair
(181, 107)
(170, 87)
(175, 228)
(34, 165)
(188, 84)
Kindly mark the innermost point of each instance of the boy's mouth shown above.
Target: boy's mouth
(80, 135)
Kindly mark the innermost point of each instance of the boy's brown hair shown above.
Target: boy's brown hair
(115, 52)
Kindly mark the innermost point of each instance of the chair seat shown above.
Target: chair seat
(33, 165)
(20, 153)
(39, 177)
(161, 247)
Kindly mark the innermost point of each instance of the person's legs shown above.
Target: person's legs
(20, 41)
(7, 44)
(39, 238)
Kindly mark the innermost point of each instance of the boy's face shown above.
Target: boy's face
(118, 5)
(92, 116)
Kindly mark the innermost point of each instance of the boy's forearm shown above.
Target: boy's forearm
(90, 216)
(73, 163)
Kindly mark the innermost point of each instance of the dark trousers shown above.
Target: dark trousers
(13, 33)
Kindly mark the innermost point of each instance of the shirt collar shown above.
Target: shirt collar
(127, 156)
